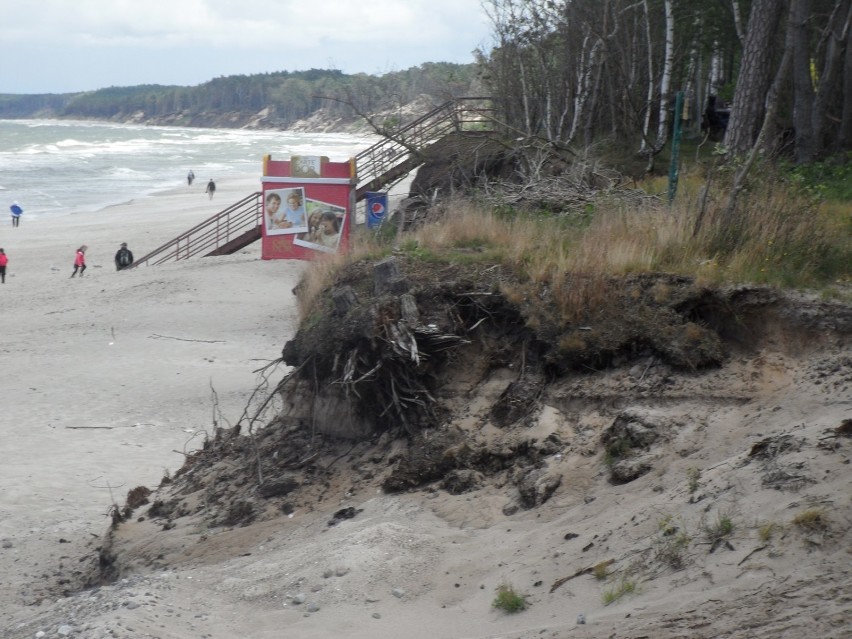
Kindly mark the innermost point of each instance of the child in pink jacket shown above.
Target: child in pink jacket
(80, 261)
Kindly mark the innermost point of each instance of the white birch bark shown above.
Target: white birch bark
(715, 75)
(738, 20)
(649, 43)
(665, 83)
(526, 97)
(584, 84)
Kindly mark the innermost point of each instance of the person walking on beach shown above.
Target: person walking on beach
(211, 188)
(16, 213)
(4, 260)
(123, 258)
(80, 261)
(190, 177)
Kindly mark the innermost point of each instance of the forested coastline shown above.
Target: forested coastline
(276, 100)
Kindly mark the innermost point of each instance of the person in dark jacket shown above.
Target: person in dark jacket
(123, 258)
(211, 188)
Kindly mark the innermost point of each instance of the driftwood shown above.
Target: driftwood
(181, 339)
(408, 309)
(583, 571)
(559, 193)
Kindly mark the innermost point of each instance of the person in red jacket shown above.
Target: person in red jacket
(80, 261)
(4, 260)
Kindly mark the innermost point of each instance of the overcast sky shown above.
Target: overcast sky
(61, 46)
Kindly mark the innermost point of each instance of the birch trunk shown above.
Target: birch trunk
(649, 43)
(666, 82)
(738, 20)
(584, 82)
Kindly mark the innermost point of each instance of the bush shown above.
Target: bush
(720, 531)
(508, 600)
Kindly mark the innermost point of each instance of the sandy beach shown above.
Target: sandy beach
(110, 377)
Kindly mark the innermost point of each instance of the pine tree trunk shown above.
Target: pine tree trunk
(846, 113)
(831, 90)
(803, 90)
(755, 76)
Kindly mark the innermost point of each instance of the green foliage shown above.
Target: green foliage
(667, 526)
(720, 530)
(692, 476)
(672, 545)
(624, 587)
(508, 600)
(830, 179)
(412, 248)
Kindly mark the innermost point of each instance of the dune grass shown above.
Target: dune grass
(780, 236)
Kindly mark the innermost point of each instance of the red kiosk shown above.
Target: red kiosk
(308, 205)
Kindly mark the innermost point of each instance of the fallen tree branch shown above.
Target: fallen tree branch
(758, 549)
(182, 339)
(583, 571)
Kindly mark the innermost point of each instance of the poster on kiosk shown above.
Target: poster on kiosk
(308, 202)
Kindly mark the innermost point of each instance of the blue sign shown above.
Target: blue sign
(377, 208)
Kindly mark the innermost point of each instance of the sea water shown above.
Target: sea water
(56, 167)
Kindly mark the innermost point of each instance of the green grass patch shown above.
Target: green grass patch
(622, 588)
(508, 600)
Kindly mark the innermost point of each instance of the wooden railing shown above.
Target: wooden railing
(244, 217)
(379, 166)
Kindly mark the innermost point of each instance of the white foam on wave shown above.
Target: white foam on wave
(56, 168)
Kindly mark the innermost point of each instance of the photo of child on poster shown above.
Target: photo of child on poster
(284, 211)
(325, 225)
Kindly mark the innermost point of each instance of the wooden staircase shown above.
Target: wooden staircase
(379, 166)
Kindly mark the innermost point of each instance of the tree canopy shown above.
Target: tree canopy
(579, 71)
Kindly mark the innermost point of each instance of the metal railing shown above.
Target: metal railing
(400, 152)
(245, 216)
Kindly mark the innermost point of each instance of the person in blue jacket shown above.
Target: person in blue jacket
(16, 213)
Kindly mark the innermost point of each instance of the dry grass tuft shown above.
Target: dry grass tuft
(814, 520)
